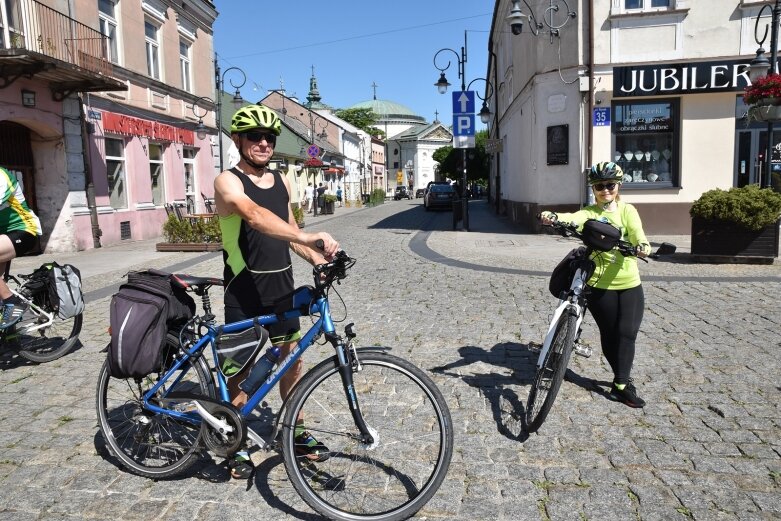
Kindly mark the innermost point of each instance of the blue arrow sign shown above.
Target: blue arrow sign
(463, 102)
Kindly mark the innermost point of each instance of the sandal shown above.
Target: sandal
(240, 466)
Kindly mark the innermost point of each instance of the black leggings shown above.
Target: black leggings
(618, 314)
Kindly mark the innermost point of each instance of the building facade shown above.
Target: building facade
(104, 117)
(654, 85)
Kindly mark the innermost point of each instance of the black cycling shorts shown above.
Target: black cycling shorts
(23, 241)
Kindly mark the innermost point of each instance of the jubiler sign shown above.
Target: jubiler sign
(680, 78)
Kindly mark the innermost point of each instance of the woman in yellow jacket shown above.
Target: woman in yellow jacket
(616, 298)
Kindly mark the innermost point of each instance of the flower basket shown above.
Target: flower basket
(765, 112)
(763, 90)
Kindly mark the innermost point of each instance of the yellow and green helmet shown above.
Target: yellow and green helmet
(255, 116)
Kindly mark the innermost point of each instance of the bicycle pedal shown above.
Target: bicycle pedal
(534, 347)
(584, 351)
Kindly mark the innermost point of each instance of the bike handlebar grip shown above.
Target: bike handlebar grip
(320, 244)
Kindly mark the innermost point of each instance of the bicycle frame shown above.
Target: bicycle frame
(30, 328)
(573, 303)
(323, 325)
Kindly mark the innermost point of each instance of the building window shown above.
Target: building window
(152, 50)
(645, 142)
(646, 4)
(184, 65)
(188, 158)
(156, 174)
(108, 28)
(115, 172)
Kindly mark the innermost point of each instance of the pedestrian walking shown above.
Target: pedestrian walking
(309, 194)
(339, 195)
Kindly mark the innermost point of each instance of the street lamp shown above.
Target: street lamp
(313, 118)
(238, 101)
(200, 129)
(760, 67)
(485, 113)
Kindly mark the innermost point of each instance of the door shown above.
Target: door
(751, 148)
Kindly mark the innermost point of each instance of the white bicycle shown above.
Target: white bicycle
(564, 330)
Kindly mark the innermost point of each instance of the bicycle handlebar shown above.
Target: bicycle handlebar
(627, 249)
(326, 274)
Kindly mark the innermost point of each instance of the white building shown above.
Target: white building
(654, 85)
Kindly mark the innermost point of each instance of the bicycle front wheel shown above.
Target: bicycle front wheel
(393, 477)
(148, 444)
(47, 343)
(549, 376)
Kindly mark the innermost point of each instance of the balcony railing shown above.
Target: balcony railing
(30, 25)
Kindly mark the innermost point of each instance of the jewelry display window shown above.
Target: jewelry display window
(645, 137)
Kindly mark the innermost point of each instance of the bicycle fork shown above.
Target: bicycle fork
(349, 362)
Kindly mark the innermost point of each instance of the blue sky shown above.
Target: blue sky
(353, 44)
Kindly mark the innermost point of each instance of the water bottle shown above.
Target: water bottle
(260, 370)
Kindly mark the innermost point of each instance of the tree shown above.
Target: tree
(451, 160)
(362, 118)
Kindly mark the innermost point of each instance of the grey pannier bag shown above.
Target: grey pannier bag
(64, 286)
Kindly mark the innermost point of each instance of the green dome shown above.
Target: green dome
(389, 110)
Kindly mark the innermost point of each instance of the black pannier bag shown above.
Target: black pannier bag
(561, 277)
(140, 314)
(600, 235)
(236, 350)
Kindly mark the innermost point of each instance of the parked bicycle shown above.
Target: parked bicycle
(41, 335)
(563, 336)
(385, 423)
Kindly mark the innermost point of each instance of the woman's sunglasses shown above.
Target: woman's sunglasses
(602, 186)
(253, 136)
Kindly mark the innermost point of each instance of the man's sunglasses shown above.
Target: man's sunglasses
(256, 137)
(601, 186)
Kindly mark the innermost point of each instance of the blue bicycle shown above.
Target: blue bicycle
(386, 425)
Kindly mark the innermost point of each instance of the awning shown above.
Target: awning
(334, 170)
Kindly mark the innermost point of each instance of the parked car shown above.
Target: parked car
(402, 193)
(419, 193)
(439, 196)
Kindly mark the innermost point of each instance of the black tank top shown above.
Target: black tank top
(268, 274)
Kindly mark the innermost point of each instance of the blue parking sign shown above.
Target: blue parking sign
(602, 116)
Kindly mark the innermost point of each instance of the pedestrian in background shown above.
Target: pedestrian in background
(309, 193)
(616, 299)
(339, 195)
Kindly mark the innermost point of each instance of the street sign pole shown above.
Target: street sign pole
(464, 137)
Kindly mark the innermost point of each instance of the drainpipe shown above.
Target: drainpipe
(590, 103)
(89, 186)
(498, 155)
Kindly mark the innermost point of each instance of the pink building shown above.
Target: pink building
(100, 103)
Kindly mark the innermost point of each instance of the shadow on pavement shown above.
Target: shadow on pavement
(262, 483)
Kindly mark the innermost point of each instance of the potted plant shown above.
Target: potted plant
(191, 234)
(739, 222)
(764, 98)
(329, 200)
(298, 215)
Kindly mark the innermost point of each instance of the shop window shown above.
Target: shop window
(188, 158)
(152, 50)
(156, 174)
(645, 137)
(116, 172)
(108, 28)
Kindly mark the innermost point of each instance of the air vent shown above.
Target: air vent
(124, 230)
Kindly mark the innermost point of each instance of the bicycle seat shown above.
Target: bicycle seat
(186, 281)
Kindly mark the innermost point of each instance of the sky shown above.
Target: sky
(353, 44)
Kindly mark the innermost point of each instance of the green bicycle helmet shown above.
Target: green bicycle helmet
(255, 116)
(605, 171)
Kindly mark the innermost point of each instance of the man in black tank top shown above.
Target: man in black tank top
(258, 232)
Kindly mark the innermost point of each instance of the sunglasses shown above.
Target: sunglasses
(602, 186)
(256, 137)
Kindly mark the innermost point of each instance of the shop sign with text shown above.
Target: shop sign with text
(680, 78)
(121, 124)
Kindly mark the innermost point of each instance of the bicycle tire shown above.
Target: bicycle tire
(49, 343)
(147, 444)
(411, 453)
(548, 378)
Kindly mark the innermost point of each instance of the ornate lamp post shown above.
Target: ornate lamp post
(238, 101)
(761, 67)
(313, 147)
(485, 113)
(200, 129)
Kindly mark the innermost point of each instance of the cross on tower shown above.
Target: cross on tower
(436, 116)
(374, 88)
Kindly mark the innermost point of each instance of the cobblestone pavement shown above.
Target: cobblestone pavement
(463, 306)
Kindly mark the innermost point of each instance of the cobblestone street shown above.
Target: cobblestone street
(464, 306)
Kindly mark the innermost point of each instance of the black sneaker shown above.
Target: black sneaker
(627, 395)
(309, 447)
(12, 313)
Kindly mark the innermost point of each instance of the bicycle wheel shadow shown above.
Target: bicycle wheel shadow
(486, 370)
(11, 359)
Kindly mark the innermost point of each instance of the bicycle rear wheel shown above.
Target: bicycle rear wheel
(548, 378)
(413, 440)
(47, 343)
(149, 444)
